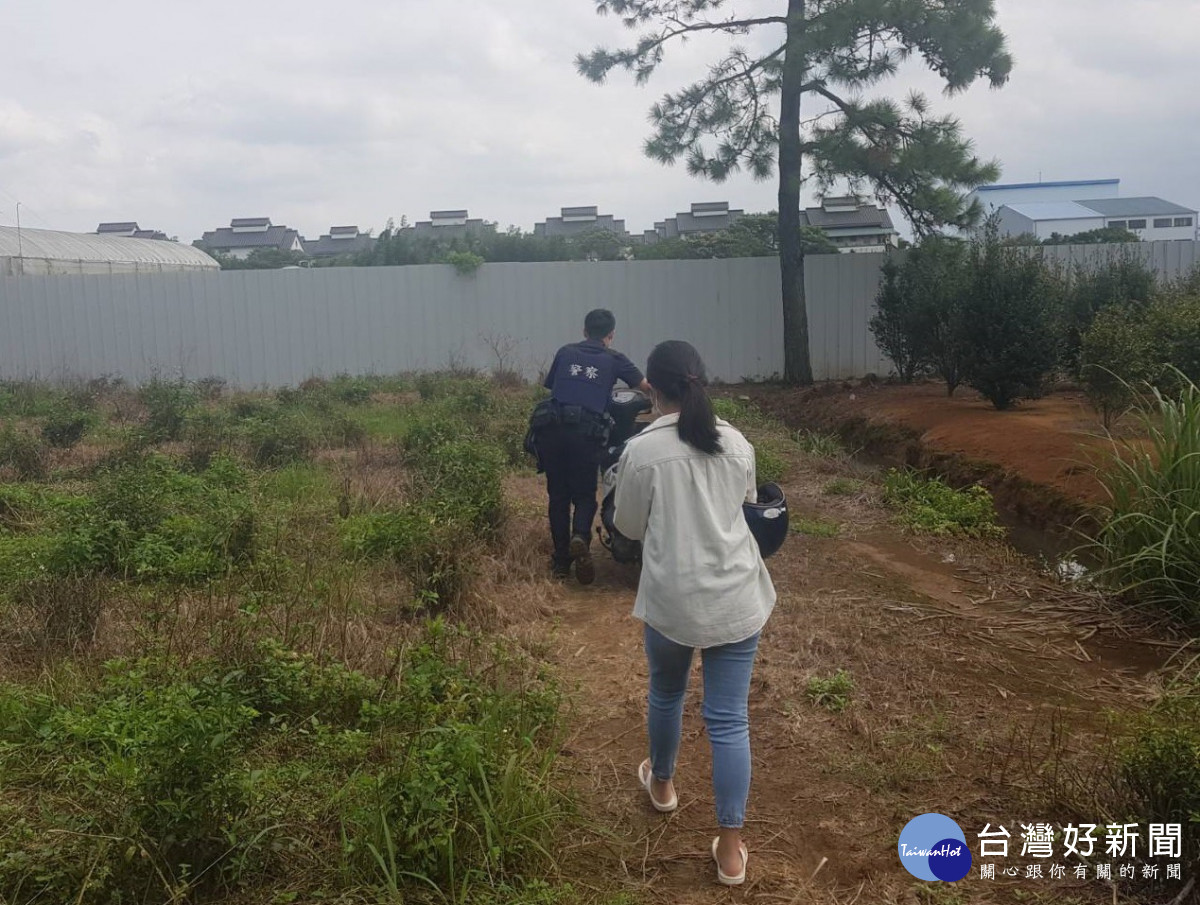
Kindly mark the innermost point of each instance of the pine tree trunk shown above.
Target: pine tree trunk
(797, 364)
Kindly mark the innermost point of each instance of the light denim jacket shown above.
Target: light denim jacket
(704, 582)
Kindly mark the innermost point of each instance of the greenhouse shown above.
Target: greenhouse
(46, 251)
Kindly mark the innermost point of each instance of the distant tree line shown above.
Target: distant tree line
(751, 236)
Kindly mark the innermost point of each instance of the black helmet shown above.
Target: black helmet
(768, 518)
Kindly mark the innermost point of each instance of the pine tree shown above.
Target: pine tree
(827, 53)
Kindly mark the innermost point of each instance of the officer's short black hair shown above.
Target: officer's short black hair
(599, 323)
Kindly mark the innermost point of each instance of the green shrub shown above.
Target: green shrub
(832, 693)
(431, 426)
(1122, 282)
(151, 520)
(463, 481)
(65, 427)
(27, 399)
(919, 319)
(1116, 357)
(1009, 346)
(220, 776)
(929, 506)
(23, 453)
(279, 437)
(1158, 769)
(465, 262)
(1173, 322)
(350, 390)
(208, 434)
(168, 405)
(1149, 539)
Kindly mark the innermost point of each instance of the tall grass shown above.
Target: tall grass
(1149, 542)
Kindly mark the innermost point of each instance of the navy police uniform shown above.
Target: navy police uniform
(581, 381)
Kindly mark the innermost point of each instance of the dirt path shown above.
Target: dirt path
(960, 656)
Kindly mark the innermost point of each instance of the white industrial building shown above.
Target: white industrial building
(48, 251)
(1044, 209)
(1151, 219)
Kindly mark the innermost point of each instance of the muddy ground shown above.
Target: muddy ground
(968, 664)
(1039, 459)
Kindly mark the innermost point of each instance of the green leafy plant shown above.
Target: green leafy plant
(465, 263)
(833, 693)
(929, 506)
(1009, 348)
(769, 465)
(919, 322)
(168, 405)
(1149, 539)
(1116, 357)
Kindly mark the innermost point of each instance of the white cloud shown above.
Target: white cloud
(317, 113)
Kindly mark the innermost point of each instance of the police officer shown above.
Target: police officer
(580, 381)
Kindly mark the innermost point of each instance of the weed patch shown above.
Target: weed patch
(832, 693)
(928, 506)
(204, 780)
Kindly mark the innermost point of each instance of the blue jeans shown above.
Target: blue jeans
(726, 693)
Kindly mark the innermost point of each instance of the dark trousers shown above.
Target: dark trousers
(572, 463)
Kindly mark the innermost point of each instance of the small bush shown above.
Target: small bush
(151, 520)
(23, 453)
(1122, 282)
(1173, 322)
(350, 390)
(919, 322)
(465, 262)
(1159, 767)
(832, 693)
(1116, 357)
(1009, 344)
(279, 438)
(65, 427)
(929, 506)
(168, 405)
(208, 434)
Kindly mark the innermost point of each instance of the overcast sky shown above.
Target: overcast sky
(319, 113)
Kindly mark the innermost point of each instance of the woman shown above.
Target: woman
(680, 488)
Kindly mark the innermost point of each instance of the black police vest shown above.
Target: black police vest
(585, 375)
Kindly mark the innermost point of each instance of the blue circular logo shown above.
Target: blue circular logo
(933, 847)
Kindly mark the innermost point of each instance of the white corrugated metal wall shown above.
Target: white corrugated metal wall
(270, 328)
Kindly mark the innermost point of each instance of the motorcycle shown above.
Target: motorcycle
(767, 516)
(624, 409)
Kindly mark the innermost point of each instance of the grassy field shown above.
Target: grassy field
(246, 652)
(300, 647)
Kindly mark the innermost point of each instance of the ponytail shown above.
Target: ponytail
(676, 371)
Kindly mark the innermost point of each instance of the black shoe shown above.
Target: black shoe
(560, 569)
(585, 569)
